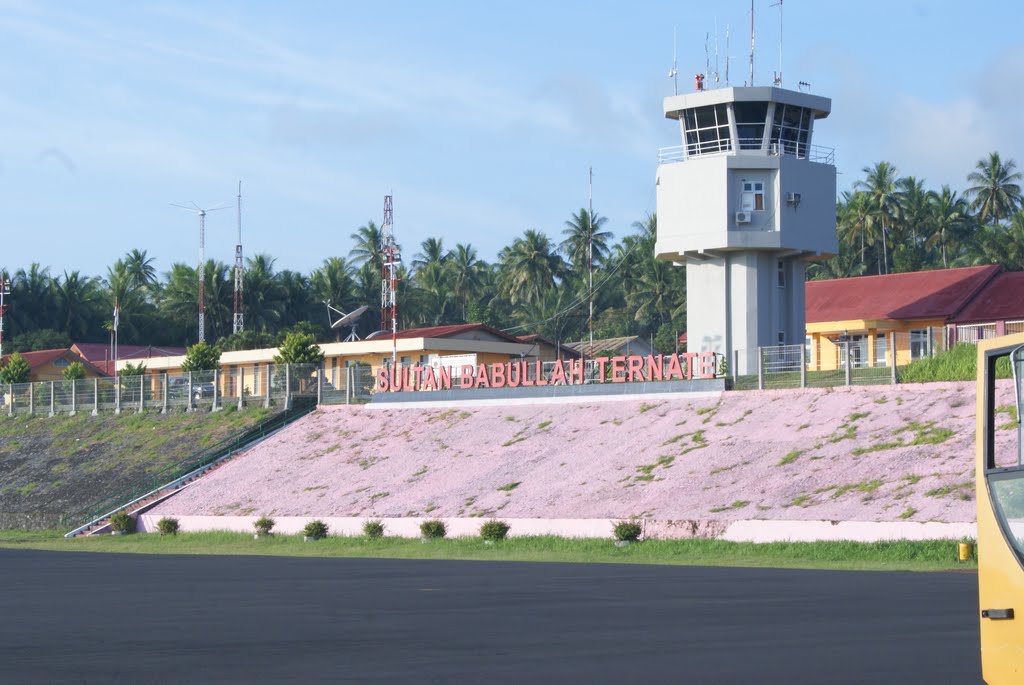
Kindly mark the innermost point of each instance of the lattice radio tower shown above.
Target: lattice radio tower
(239, 321)
(390, 260)
(201, 270)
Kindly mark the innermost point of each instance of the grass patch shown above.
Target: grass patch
(963, 491)
(738, 504)
(926, 433)
(509, 487)
(908, 512)
(543, 424)
(865, 486)
(901, 555)
(799, 501)
(877, 447)
(790, 458)
(646, 470)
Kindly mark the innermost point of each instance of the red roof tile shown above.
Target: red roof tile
(99, 352)
(938, 294)
(1002, 299)
(448, 331)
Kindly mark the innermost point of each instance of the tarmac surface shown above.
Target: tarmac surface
(100, 618)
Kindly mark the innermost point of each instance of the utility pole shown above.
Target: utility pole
(201, 270)
(5, 290)
(390, 259)
(239, 321)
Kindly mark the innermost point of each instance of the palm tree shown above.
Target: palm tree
(33, 299)
(949, 213)
(435, 295)
(78, 300)
(367, 246)
(333, 282)
(141, 268)
(263, 294)
(843, 265)
(915, 210)
(529, 267)
(996, 190)
(853, 223)
(432, 252)
(465, 273)
(880, 186)
(579, 230)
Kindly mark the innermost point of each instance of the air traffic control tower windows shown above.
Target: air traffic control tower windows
(790, 130)
(751, 118)
(707, 130)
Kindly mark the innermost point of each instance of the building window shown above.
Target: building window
(752, 197)
(750, 122)
(790, 129)
(880, 349)
(781, 271)
(919, 343)
(406, 360)
(707, 130)
(859, 351)
(781, 338)
(61, 363)
(425, 360)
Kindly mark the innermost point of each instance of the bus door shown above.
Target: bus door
(1000, 500)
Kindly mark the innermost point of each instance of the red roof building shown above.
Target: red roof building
(99, 354)
(49, 365)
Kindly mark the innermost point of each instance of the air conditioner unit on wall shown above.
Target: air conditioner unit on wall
(743, 217)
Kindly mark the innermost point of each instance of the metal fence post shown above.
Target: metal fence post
(188, 400)
(270, 383)
(142, 394)
(117, 395)
(241, 385)
(31, 398)
(760, 368)
(163, 410)
(287, 386)
(803, 368)
(892, 355)
(95, 396)
(846, 356)
(320, 385)
(735, 367)
(349, 373)
(10, 399)
(216, 388)
(74, 398)
(53, 399)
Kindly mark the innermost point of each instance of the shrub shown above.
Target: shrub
(263, 525)
(167, 526)
(494, 530)
(121, 522)
(373, 529)
(315, 529)
(627, 531)
(433, 529)
(959, 363)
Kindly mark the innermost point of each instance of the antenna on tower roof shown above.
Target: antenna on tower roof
(751, 83)
(707, 58)
(727, 56)
(673, 72)
(716, 52)
(778, 77)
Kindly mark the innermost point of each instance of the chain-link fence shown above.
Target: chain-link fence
(786, 366)
(267, 385)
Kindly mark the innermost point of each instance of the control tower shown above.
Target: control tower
(744, 203)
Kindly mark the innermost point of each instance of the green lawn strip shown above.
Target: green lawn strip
(903, 555)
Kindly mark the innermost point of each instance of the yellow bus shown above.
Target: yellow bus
(1000, 498)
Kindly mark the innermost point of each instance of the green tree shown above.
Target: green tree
(528, 268)
(75, 371)
(880, 184)
(299, 348)
(949, 216)
(16, 370)
(995, 191)
(576, 245)
(41, 339)
(133, 370)
(201, 357)
(366, 250)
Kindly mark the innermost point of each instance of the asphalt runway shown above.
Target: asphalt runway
(100, 618)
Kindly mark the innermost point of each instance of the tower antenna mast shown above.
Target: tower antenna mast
(673, 72)
(778, 78)
(5, 290)
(201, 270)
(390, 259)
(239, 321)
(590, 256)
(751, 42)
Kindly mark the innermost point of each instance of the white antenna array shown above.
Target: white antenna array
(201, 271)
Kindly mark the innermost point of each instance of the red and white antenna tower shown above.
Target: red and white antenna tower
(390, 260)
(201, 270)
(239, 322)
(5, 291)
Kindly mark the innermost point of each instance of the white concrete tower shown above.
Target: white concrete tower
(744, 202)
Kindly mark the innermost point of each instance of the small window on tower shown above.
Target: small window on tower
(782, 274)
(752, 197)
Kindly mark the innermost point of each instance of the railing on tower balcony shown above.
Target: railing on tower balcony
(813, 153)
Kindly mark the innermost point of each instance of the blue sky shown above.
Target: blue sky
(481, 118)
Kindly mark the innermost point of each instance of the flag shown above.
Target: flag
(117, 315)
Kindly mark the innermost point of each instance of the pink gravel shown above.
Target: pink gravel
(664, 459)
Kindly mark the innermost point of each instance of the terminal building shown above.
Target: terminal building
(743, 204)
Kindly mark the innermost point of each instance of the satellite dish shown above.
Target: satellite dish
(350, 318)
(376, 334)
(344, 319)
